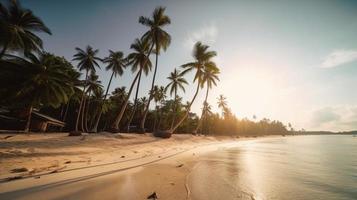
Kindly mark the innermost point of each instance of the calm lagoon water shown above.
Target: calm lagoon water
(298, 167)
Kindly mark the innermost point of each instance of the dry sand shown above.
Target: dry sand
(106, 166)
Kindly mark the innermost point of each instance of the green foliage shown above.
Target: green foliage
(46, 80)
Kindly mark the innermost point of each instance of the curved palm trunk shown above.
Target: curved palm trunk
(142, 123)
(28, 122)
(115, 125)
(95, 128)
(80, 104)
(188, 109)
(199, 124)
(135, 104)
(174, 110)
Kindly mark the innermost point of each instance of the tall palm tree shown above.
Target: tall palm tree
(202, 61)
(222, 103)
(177, 81)
(139, 60)
(88, 61)
(210, 76)
(158, 37)
(116, 63)
(35, 81)
(18, 27)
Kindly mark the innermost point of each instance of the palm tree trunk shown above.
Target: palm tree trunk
(142, 123)
(174, 110)
(82, 113)
(2, 53)
(65, 114)
(155, 118)
(199, 124)
(135, 103)
(28, 122)
(95, 128)
(188, 109)
(80, 104)
(115, 125)
(86, 111)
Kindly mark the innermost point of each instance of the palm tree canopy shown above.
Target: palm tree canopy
(93, 84)
(116, 62)
(210, 76)
(222, 103)
(87, 58)
(156, 35)
(139, 59)
(18, 27)
(176, 81)
(40, 81)
(202, 61)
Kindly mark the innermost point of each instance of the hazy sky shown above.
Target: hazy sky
(294, 61)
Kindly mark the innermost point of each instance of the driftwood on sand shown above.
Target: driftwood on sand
(162, 134)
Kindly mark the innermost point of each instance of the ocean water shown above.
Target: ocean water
(295, 168)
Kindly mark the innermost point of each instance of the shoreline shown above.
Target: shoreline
(164, 172)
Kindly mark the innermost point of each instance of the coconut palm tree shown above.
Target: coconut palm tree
(139, 60)
(222, 103)
(93, 86)
(116, 63)
(88, 61)
(18, 27)
(210, 76)
(36, 81)
(177, 81)
(158, 37)
(202, 61)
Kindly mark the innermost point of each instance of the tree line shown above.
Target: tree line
(33, 79)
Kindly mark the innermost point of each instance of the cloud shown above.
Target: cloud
(339, 57)
(337, 118)
(206, 34)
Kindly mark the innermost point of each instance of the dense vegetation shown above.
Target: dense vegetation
(33, 79)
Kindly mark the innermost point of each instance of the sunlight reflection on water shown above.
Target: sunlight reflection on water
(301, 167)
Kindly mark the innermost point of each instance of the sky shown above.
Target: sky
(293, 61)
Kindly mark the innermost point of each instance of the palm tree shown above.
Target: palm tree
(139, 60)
(38, 81)
(210, 76)
(201, 63)
(88, 62)
(158, 37)
(116, 63)
(176, 81)
(93, 86)
(18, 27)
(222, 103)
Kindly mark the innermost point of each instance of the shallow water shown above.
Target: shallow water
(299, 167)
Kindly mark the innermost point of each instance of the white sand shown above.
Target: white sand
(107, 166)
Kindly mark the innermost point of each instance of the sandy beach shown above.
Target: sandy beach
(115, 166)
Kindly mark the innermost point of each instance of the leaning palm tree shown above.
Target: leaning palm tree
(210, 76)
(203, 61)
(158, 37)
(222, 103)
(18, 27)
(139, 60)
(177, 81)
(116, 63)
(88, 61)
